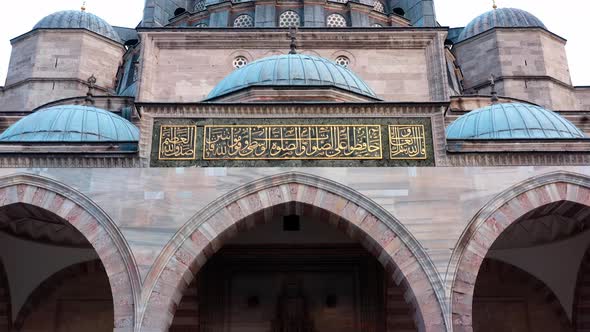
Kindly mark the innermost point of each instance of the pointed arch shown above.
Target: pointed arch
(489, 223)
(51, 284)
(5, 301)
(94, 224)
(400, 253)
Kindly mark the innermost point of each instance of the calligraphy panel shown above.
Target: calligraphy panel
(292, 142)
(178, 142)
(407, 142)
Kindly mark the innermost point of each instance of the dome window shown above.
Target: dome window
(379, 7)
(399, 11)
(244, 21)
(336, 21)
(343, 61)
(199, 6)
(179, 11)
(288, 19)
(240, 62)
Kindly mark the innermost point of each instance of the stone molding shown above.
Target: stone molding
(69, 161)
(489, 223)
(100, 230)
(202, 235)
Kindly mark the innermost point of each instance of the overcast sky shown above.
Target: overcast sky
(18, 17)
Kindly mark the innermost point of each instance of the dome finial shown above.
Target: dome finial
(91, 82)
(293, 36)
(494, 93)
(495, 6)
(83, 8)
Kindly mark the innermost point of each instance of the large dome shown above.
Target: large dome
(76, 19)
(72, 124)
(502, 17)
(292, 70)
(512, 121)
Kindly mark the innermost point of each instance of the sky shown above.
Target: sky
(18, 17)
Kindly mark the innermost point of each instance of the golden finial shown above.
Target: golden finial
(494, 6)
(83, 8)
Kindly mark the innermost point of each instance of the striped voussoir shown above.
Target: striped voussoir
(256, 203)
(496, 217)
(93, 224)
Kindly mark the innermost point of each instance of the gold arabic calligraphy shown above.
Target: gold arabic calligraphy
(247, 142)
(178, 142)
(407, 142)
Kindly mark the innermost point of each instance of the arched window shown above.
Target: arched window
(343, 61)
(201, 25)
(244, 21)
(289, 18)
(376, 25)
(240, 62)
(199, 6)
(378, 6)
(335, 21)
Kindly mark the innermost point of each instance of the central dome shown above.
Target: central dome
(501, 18)
(76, 19)
(292, 70)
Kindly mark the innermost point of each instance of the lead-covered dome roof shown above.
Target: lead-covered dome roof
(502, 17)
(71, 124)
(292, 70)
(76, 19)
(512, 121)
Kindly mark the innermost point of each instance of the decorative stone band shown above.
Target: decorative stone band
(403, 258)
(384, 139)
(94, 224)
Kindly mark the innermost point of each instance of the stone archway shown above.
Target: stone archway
(399, 252)
(52, 284)
(491, 221)
(94, 224)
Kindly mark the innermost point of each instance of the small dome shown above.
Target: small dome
(512, 121)
(502, 17)
(76, 19)
(292, 70)
(72, 124)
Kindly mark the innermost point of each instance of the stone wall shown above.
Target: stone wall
(48, 65)
(398, 66)
(529, 64)
(425, 210)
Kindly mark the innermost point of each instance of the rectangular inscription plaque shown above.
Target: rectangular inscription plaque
(282, 142)
(407, 142)
(178, 142)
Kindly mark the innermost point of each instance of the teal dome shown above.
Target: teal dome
(72, 124)
(76, 19)
(502, 17)
(292, 70)
(512, 121)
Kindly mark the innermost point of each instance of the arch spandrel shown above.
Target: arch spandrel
(489, 223)
(384, 236)
(94, 224)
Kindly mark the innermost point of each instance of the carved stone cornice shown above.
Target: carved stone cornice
(299, 110)
(308, 38)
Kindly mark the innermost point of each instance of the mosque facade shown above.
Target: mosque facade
(293, 166)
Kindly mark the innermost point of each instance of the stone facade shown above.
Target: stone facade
(448, 231)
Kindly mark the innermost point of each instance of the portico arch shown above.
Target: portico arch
(398, 251)
(94, 224)
(491, 221)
